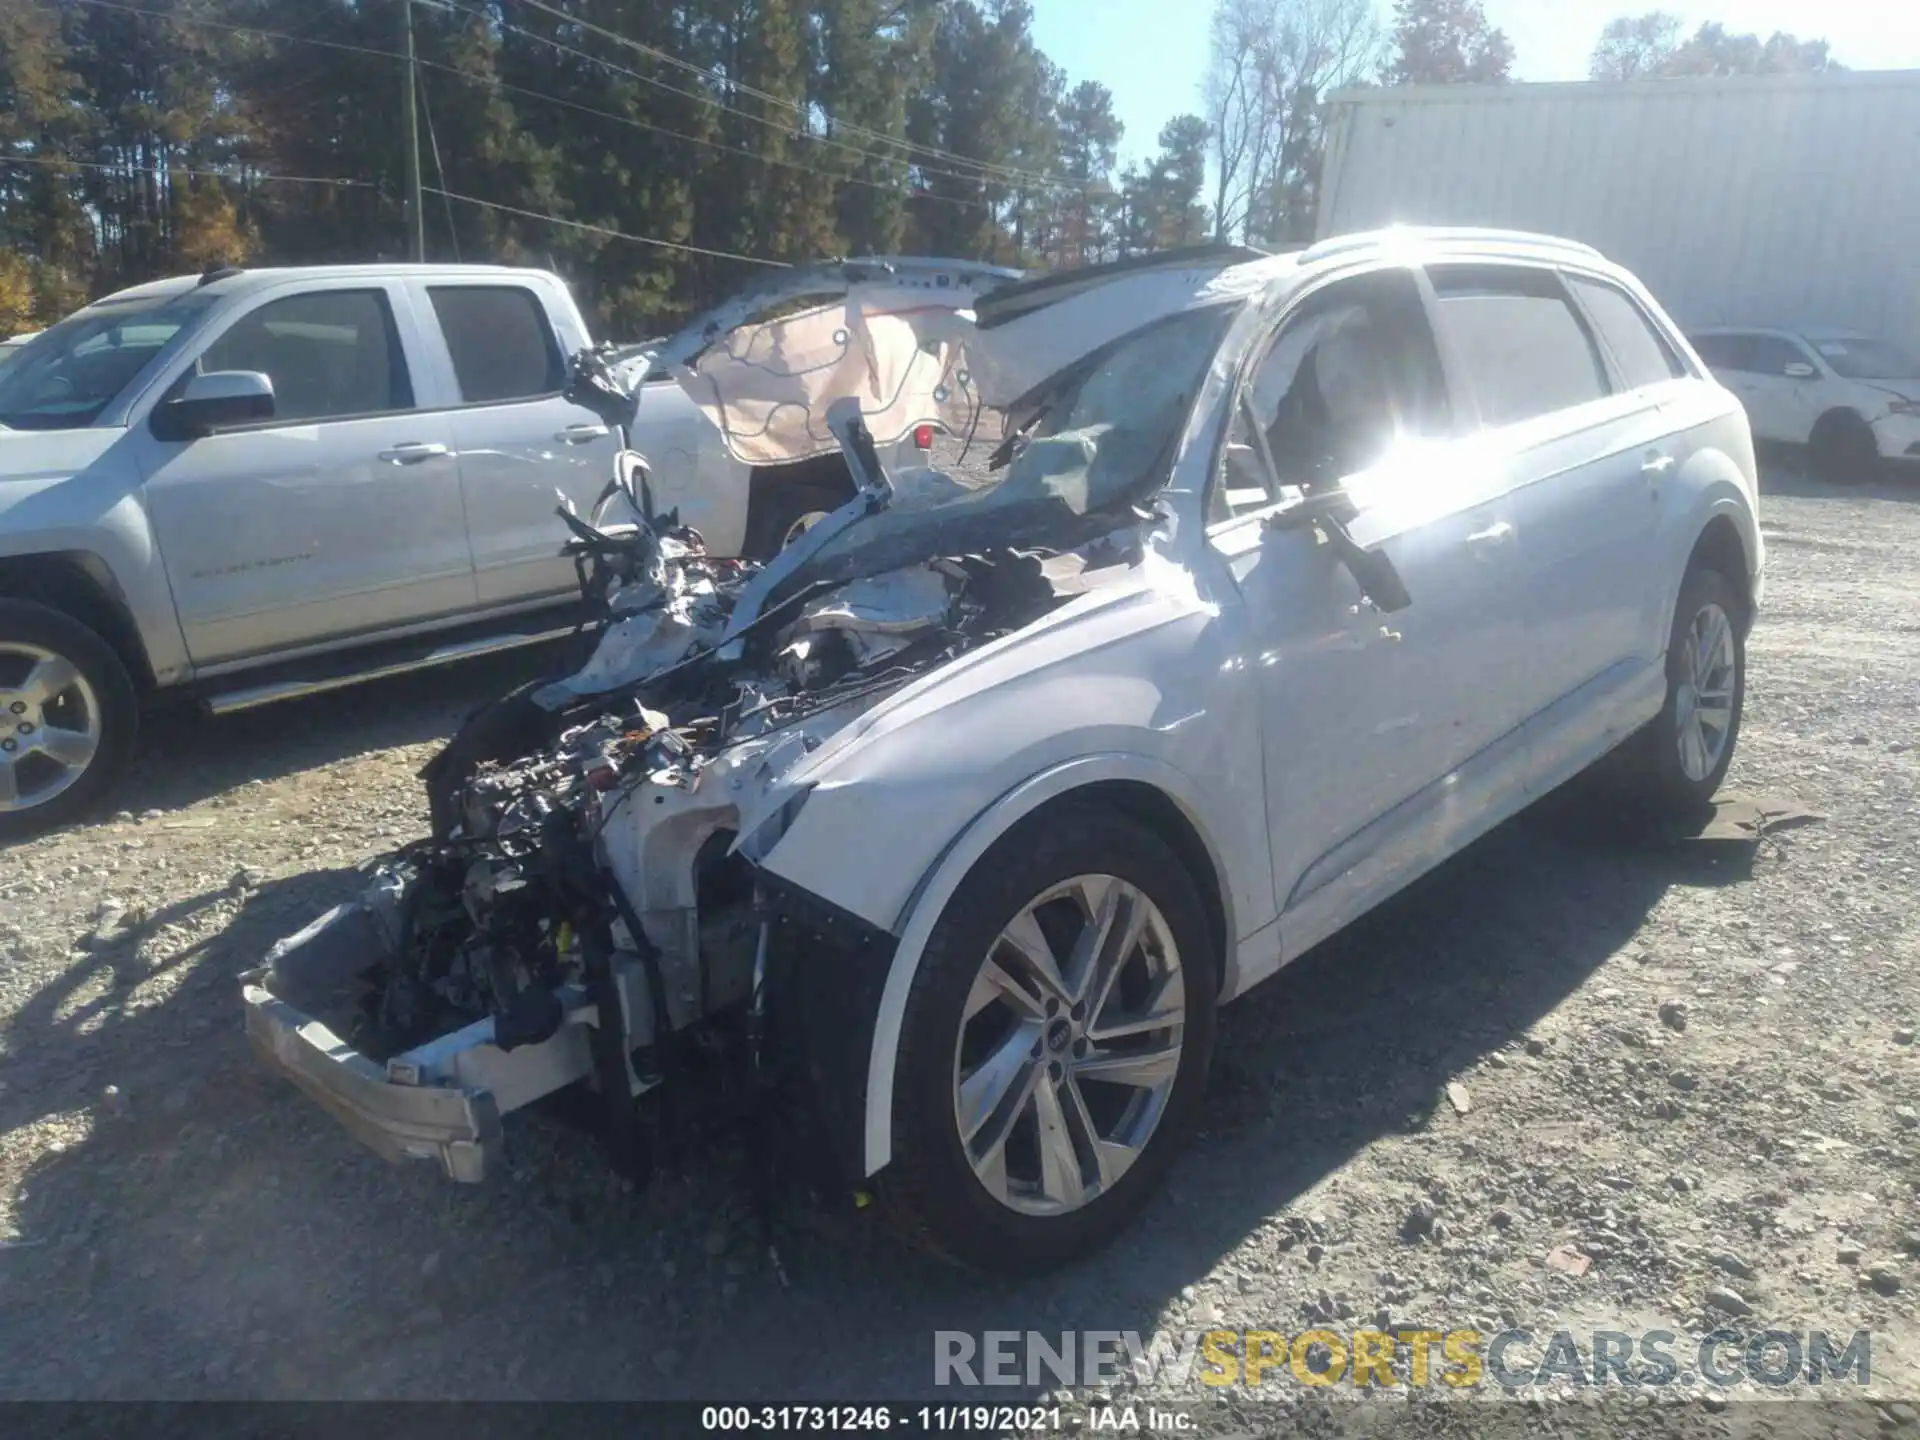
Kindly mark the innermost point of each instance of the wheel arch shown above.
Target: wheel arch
(1840, 415)
(1138, 785)
(81, 586)
(1721, 547)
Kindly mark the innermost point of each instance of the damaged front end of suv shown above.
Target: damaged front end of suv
(624, 886)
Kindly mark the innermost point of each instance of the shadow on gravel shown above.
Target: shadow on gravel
(223, 1237)
(1788, 477)
(185, 755)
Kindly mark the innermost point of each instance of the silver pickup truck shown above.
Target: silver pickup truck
(260, 483)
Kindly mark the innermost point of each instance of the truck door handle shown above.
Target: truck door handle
(1498, 533)
(582, 434)
(1658, 466)
(413, 453)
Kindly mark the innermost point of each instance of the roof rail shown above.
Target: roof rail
(219, 272)
(1366, 239)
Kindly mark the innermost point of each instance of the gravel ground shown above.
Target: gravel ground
(1692, 1067)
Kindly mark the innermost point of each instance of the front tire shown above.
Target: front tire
(1844, 450)
(68, 719)
(1678, 762)
(1055, 1045)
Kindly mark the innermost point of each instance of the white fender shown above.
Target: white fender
(929, 900)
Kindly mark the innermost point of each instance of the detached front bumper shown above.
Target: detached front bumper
(457, 1127)
(441, 1101)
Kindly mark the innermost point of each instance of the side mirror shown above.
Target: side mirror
(1373, 570)
(1800, 370)
(214, 401)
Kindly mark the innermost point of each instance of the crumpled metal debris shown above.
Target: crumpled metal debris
(900, 602)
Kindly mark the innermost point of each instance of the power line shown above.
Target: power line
(439, 170)
(1012, 177)
(497, 83)
(1007, 172)
(260, 175)
(611, 234)
(239, 29)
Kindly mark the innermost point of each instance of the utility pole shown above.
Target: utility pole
(416, 208)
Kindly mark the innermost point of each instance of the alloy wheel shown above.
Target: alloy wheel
(1703, 703)
(50, 725)
(801, 525)
(1069, 1045)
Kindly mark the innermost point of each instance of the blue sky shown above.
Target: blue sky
(1152, 53)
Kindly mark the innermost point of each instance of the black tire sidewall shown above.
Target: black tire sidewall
(1668, 783)
(930, 1187)
(1844, 450)
(113, 688)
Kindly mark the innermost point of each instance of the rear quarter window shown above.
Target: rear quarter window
(1525, 351)
(1639, 350)
(501, 344)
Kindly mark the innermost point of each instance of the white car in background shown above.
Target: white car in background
(1853, 400)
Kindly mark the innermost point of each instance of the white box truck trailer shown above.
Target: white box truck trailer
(1777, 201)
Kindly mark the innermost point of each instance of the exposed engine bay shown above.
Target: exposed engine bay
(622, 839)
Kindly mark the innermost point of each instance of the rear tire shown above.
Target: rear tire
(1113, 1137)
(69, 716)
(1844, 450)
(1678, 762)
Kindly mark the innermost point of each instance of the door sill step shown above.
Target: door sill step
(312, 678)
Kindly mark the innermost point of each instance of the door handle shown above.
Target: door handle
(582, 434)
(413, 453)
(1658, 466)
(1498, 533)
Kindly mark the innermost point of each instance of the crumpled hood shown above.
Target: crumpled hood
(1146, 596)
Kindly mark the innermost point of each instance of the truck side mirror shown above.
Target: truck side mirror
(1799, 370)
(214, 401)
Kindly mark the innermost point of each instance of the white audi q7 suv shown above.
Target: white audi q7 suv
(1286, 578)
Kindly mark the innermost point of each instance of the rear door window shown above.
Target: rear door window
(1524, 348)
(331, 354)
(1640, 351)
(502, 346)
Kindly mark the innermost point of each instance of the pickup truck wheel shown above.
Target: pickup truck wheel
(786, 502)
(68, 718)
(1055, 1045)
(1678, 762)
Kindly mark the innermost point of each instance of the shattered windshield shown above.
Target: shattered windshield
(1098, 435)
(64, 378)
